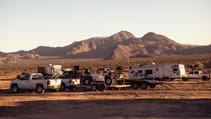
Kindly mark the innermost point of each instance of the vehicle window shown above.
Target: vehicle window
(35, 77)
(148, 71)
(196, 72)
(140, 71)
(175, 69)
(66, 75)
(24, 77)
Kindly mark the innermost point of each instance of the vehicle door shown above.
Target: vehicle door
(196, 74)
(24, 80)
(36, 79)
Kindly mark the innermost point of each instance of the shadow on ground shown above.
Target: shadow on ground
(95, 109)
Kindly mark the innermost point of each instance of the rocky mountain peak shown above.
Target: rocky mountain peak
(154, 37)
(122, 35)
(120, 45)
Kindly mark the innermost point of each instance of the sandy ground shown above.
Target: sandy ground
(173, 100)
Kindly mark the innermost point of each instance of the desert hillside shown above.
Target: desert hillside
(119, 46)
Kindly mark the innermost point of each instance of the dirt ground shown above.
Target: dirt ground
(174, 100)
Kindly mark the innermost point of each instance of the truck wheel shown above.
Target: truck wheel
(204, 78)
(135, 85)
(72, 88)
(157, 78)
(185, 79)
(87, 81)
(108, 81)
(40, 89)
(62, 87)
(152, 85)
(93, 87)
(14, 88)
(143, 85)
(101, 88)
(172, 79)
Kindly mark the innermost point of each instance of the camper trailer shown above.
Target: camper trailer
(157, 71)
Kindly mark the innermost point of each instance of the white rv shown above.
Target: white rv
(157, 71)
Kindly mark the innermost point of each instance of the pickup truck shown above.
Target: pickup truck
(70, 79)
(197, 74)
(34, 81)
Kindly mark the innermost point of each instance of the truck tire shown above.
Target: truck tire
(87, 81)
(165, 79)
(135, 85)
(185, 79)
(14, 88)
(205, 78)
(72, 88)
(172, 79)
(94, 87)
(40, 88)
(108, 81)
(143, 85)
(101, 88)
(157, 78)
(62, 87)
(152, 85)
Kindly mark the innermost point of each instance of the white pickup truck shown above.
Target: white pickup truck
(34, 81)
(197, 74)
(70, 79)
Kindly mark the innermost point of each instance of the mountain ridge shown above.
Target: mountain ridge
(120, 45)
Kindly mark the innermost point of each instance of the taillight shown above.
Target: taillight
(48, 82)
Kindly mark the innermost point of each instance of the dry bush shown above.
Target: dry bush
(207, 64)
(30, 65)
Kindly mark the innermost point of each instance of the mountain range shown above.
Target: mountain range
(120, 45)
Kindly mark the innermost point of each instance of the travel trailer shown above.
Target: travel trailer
(157, 71)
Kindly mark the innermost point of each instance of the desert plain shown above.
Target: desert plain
(172, 100)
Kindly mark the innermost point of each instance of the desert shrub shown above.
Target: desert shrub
(207, 64)
(197, 65)
(190, 61)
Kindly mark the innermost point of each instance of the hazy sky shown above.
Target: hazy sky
(26, 24)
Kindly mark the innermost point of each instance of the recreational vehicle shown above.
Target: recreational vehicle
(157, 71)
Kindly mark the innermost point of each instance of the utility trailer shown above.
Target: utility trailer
(101, 86)
(84, 79)
(104, 78)
(134, 83)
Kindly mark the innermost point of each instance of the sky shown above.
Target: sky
(27, 24)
